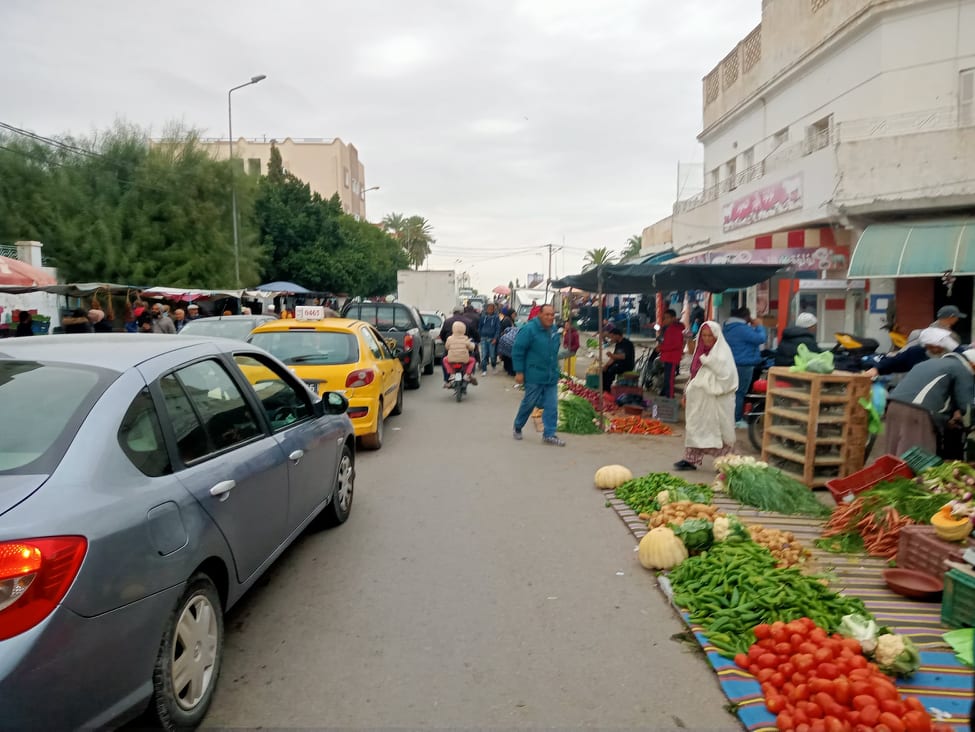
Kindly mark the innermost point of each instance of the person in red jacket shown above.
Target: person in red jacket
(671, 349)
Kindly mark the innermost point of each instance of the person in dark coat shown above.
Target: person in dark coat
(24, 325)
(77, 322)
(804, 331)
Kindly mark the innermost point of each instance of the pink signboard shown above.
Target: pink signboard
(765, 203)
(821, 259)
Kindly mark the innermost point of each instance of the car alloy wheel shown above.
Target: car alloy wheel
(190, 656)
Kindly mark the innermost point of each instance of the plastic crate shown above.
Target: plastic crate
(920, 548)
(958, 601)
(883, 468)
(920, 460)
(592, 381)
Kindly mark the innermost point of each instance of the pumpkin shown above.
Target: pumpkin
(661, 549)
(948, 528)
(612, 476)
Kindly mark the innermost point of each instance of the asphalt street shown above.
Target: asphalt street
(480, 582)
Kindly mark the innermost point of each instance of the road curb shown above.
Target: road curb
(627, 515)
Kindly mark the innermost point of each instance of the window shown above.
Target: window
(372, 343)
(732, 173)
(966, 97)
(748, 158)
(355, 186)
(207, 410)
(254, 166)
(140, 437)
(348, 178)
(714, 177)
(818, 133)
(283, 402)
(385, 316)
(318, 347)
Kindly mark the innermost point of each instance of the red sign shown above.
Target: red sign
(765, 203)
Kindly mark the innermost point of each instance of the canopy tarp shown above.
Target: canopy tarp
(75, 289)
(915, 249)
(646, 278)
(289, 288)
(186, 294)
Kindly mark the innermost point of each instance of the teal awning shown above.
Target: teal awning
(915, 249)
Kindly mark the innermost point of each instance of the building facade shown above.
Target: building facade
(328, 166)
(835, 134)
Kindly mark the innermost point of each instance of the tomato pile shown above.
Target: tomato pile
(639, 426)
(816, 682)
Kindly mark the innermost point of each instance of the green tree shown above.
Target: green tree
(416, 240)
(632, 247)
(275, 166)
(596, 257)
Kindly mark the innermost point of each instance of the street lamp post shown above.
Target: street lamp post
(233, 187)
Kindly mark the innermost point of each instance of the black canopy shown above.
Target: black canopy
(645, 278)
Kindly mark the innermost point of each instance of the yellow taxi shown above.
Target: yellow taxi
(337, 354)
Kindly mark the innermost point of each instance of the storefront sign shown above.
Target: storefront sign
(765, 203)
(821, 259)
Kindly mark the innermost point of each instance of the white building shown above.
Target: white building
(844, 131)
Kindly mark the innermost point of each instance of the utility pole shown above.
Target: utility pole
(550, 250)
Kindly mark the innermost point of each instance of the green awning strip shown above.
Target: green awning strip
(915, 249)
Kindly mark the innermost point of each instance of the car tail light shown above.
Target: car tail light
(357, 412)
(408, 342)
(362, 377)
(35, 574)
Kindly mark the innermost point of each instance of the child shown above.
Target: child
(459, 348)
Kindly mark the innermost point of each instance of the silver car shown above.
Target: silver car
(146, 482)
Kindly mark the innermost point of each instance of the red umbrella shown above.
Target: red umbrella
(15, 273)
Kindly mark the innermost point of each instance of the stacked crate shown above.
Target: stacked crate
(815, 429)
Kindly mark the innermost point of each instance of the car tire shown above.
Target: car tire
(374, 441)
(428, 368)
(338, 510)
(195, 627)
(413, 380)
(398, 407)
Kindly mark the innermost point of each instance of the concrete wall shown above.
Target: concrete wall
(328, 166)
(657, 237)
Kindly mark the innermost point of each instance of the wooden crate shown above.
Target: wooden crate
(815, 429)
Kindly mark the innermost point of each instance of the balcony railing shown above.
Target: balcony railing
(8, 251)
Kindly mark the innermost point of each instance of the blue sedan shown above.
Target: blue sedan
(146, 482)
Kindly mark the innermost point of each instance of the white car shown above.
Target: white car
(433, 321)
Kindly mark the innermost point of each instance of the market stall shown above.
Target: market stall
(803, 633)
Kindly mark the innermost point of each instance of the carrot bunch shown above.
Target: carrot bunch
(636, 425)
(857, 524)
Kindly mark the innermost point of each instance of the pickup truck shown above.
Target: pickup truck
(402, 323)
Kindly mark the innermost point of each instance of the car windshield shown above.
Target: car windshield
(432, 319)
(309, 346)
(238, 328)
(51, 400)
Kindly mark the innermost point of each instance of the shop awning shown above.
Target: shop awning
(647, 278)
(915, 249)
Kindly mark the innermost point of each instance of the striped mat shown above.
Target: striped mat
(943, 684)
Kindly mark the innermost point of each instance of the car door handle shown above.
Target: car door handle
(296, 456)
(223, 489)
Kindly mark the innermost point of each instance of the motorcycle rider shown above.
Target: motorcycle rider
(459, 354)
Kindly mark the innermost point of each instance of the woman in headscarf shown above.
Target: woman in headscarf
(709, 399)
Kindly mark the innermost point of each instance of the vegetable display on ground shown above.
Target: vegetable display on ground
(641, 494)
(732, 587)
(639, 426)
(769, 489)
(577, 416)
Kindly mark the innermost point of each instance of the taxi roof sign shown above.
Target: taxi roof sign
(309, 312)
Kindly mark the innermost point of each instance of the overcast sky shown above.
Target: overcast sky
(508, 124)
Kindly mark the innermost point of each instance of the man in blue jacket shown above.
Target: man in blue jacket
(490, 330)
(745, 338)
(536, 361)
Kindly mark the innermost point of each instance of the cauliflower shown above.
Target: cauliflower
(730, 529)
(863, 629)
(896, 655)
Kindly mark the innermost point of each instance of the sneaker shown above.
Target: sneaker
(516, 434)
(484, 373)
(553, 440)
(473, 380)
(741, 425)
(684, 465)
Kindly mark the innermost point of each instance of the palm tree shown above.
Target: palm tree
(633, 246)
(393, 223)
(596, 257)
(417, 236)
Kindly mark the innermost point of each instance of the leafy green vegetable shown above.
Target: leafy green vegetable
(695, 533)
(693, 492)
(771, 490)
(577, 416)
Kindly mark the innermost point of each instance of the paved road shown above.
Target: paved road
(479, 582)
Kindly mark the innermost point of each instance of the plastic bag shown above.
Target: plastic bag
(875, 423)
(817, 363)
(961, 642)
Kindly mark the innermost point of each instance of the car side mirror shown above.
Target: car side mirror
(332, 403)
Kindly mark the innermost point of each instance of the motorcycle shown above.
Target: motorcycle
(458, 384)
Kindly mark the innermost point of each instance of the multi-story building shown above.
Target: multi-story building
(839, 137)
(328, 166)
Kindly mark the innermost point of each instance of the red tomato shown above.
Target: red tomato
(777, 680)
(803, 727)
(818, 635)
(841, 690)
(787, 669)
(818, 685)
(788, 687)
(861, 701)
(784, 648)
(828, 670)
(860, 674)
(784, 721)
(853, 644)
(858, 688)
(762, 631)
(917, 721)
(914, 704)
(870, 715)
(862, 728)
(823, 700)
(801, 692)
(755, 651)
(823, 654)
(803, 662)
(883, 688)
(833, 724)
(753, 669)
(798, 678)
(742, 660)
(797, 639)
(881, 728)
(812, 710)
(817, 725)
(768, 660)
(895, 707)
(764, 673)
(893, 722)
(808, 647)
(775, 703)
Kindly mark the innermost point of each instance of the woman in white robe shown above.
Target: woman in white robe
(709, 399)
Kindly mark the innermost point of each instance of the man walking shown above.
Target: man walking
(489, 328)
(536, 361)
(745, 338)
